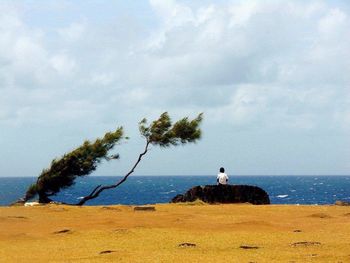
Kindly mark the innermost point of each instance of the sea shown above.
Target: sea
(140, 190)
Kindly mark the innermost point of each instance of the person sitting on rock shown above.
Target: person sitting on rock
(222, 178)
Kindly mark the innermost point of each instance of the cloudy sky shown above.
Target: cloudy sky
(272, 78)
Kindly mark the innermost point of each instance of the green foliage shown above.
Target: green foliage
(163, 133)
(31, 192)
(84, 159)
(80, 162)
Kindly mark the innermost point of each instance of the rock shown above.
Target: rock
(225, 194)
(62, 231)
(107, 251)
(248, 247)
(342, 203)
(144, 208)
(111, 208)
(186, 245)
(32, 204)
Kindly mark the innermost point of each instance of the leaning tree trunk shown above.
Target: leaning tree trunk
(43, 198)
(99, 189)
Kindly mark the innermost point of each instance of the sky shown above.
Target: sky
(271, 77)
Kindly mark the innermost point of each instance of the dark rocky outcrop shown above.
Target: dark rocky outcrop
(225, 194)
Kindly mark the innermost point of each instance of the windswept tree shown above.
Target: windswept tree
(84, 160)
(161, 132)
(79, 162)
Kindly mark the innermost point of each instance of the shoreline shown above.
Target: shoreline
(179, 232)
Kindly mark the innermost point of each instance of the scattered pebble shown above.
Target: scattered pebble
(248, 247)
(107, 251)
(111, 208)
(144, 208)
(187, 245)
(297, 231)
(62, 231)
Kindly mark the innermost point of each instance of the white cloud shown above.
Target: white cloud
(172, 12)
(63, 64)
(102, 78)
(332, 21)
(252, 64)
(242, 12)
(242, 57)
(73, 32)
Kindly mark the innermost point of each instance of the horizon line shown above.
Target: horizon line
(183, 175)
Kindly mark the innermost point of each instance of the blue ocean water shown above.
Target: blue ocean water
(160, 189)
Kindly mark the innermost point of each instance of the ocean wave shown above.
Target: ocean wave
(281, 196)
(171, 191)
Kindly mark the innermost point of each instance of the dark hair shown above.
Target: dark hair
(222, 170)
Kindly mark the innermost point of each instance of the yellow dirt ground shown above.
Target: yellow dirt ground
(31, 234)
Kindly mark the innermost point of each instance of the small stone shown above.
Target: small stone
(111, 208)
(62, 231)
(248, 247)
(187, 245)
(107, 251)
(144, 208)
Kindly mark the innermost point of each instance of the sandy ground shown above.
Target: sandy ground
(216, 233)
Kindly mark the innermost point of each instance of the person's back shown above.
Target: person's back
(222, 178)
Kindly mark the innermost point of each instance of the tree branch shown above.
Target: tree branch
(95, 193)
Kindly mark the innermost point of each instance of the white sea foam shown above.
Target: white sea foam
(282, 196)
(164, 193)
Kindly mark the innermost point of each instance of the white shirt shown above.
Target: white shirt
(223, 178)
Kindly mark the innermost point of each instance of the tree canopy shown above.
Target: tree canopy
(79, 162)
(85, 159)
(161, 132)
